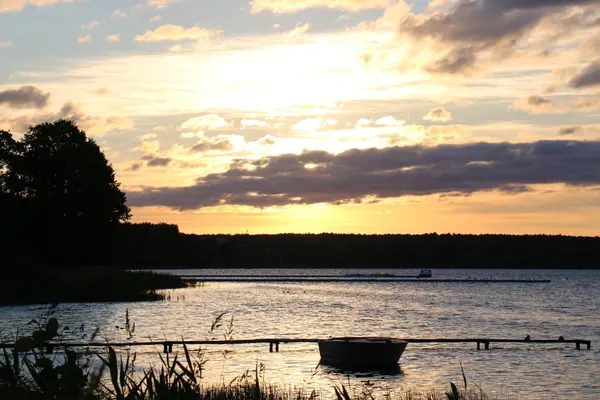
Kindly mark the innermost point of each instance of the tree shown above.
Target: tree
(68, 199)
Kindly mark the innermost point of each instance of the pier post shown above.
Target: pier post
(487, 345)
(270, 347)
(589, 345)
(167, 347)
(578, 346)
(478, 345)
(277, 347)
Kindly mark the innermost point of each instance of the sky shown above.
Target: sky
(350, 116)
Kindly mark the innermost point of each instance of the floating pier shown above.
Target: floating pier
(273, 343)
(343, 279)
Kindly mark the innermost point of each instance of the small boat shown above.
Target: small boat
(361, 352)
(425, 273)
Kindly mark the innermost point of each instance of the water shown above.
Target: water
(568, 306)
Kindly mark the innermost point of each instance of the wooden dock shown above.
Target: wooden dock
(274, 342)
(342, 279)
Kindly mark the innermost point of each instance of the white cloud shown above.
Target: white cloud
(156, 18)
(119, 14)
(5, 43)
(192, 135)
(299, 30)
(291, 6)
(254, 123)
(387, 121)
(205, 122)
(162, 3)
(19, 5)
(175, 32)
(84, 39)
(91, 25)
(114, 38)
(148, 136)
(313, 124)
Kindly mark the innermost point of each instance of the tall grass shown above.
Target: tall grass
(28, 373)
(23, 286)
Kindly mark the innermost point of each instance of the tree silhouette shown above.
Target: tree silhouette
(62, 191)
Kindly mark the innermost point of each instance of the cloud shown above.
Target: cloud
(540, 105)
(135, 166)
(119, 14)
(220, 144)
(19, 5)
(5, 43)
(24, 97)
(477, 33)
(84, 39)
(439, 114)
(191, 135)
(153, 161)
(175, 32)
(292, 6)
(96, 126)
(266, 141)
(588, 77)
(313, 124)
(91, 25)
(156, 18)
(388, 121)
(205, 122)
(114, 38)
(148, 136)
(162, 3)
(299, 30)
(254, 123)
(578, 130)
(354, 175)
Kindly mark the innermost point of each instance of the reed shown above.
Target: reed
(41, 286)
(27, 373)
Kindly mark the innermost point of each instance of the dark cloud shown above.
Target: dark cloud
(354, 175)
(475, 26)
(153, 161)
(578, 130)
(219, 143)
(588, 77)
(540, 105)
(24, 97)
(570, 130)
(70, 111)
(538, 101)
(135, 166)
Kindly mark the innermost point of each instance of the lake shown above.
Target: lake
(569, 306)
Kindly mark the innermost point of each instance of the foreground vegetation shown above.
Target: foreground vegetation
(27, 373)
(22, 285)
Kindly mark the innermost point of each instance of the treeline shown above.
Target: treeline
(162, 245)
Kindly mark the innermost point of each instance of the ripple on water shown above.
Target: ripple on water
(567, 307)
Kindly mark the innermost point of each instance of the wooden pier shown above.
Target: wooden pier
(342, 279)
(274, 342)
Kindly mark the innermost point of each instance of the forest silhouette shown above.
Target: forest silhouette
(61, 206)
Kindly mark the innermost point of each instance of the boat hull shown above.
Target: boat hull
(361, 353)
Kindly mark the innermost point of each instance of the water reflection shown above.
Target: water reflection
(391, 371)
(566, 308)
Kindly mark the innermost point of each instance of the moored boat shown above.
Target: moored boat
(361, 352)
(425, 273)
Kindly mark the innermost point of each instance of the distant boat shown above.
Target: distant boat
(425, 273)
(361, 352)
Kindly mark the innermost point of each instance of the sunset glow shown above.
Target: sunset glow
(309, 116)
